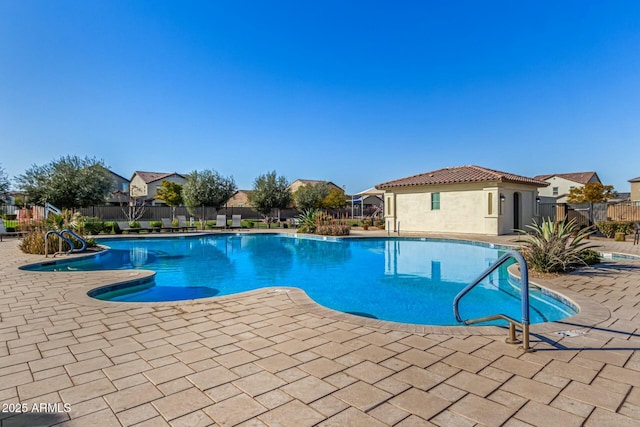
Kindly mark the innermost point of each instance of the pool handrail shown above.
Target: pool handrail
(524, 297)
(83, 243)
(61, 238)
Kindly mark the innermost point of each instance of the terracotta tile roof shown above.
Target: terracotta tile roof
(148, 177)
(579, 177)
(635, 179)
(460, 174)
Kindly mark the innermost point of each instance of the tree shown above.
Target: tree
(592, 192)
(170, 193)
(69, 182)
(133, 208)
(311, 196)
(4, 186)
(270, 192)
(335, 199)
(206, 188)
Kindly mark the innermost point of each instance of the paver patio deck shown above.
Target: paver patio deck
(273, 357)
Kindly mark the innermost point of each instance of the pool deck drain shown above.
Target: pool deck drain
(276, 358)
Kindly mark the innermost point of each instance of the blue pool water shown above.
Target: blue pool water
(401, 280)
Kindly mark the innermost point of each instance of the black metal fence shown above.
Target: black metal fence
(155, 213)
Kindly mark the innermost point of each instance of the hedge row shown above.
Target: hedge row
(610, 228)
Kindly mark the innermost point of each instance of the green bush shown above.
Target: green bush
(155, 224)
(610, 228)
(109, 227)
(553, 247)
(590, 257)
(94, 227)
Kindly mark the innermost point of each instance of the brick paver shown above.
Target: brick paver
(277, 358)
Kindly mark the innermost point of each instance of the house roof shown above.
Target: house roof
(148, 177)
(300, 182)
(620, 197)
(635, 179)
(579, 177)
(460, 174)
(312, 182)
(117, 175)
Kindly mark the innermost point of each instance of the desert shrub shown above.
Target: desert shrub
(335, 229)
(610, 228)
(326, 225)
(590, 257)
(552, 247)
(33, 243)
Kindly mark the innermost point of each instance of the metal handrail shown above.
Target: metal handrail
(524, 296)
(78, 238)
(61, 237)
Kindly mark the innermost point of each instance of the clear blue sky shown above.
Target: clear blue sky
(357, 93)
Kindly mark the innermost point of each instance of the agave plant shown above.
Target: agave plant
(307, 221)
(554, 246)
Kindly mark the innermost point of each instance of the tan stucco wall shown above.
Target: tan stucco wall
(464, 208)
(137, 186)
(564, 186)
(240, 199)
(635, 191)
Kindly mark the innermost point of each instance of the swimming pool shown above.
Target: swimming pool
(394, 279)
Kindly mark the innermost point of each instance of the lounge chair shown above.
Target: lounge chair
(168, 225)
(124, 226)
(221, 221)
(236, 221)
(4, 232)
(146, 226)
(182, 223)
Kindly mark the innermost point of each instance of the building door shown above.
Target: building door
(516, 211)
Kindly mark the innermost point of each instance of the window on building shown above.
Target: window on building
(490, 204)
(435, 201)
(555, 191)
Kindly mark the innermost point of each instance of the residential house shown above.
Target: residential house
(146, 184)
(300, 182)
(120, 187)
(240, 199)
(462, 199)
(561, 183)
(635, 191)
